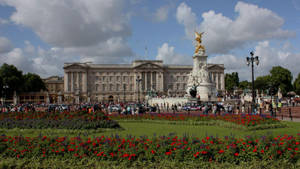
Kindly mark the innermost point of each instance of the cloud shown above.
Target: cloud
(187, 18)
(168, 55)
(114, 50)
(268, 57)
(5, 45)
(68, 23)
(94, 30)
(161, 14)
(36, 60)
(223, 34)
(3, 21)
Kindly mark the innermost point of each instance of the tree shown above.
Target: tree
(33, 83)
(281, 78)
(245, 85)
(262, 83)
(11, 77)
(297, 84)
(231, 81)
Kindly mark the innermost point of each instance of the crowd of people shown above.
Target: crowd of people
(237, 107)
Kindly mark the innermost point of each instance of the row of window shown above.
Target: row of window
(110, 73)
(31, 97)
(114, 78)
(113, 87)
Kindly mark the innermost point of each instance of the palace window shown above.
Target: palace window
(117, 87)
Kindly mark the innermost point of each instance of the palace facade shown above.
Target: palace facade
(87, 82)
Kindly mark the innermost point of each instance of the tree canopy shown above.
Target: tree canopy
(15, 80)
(245, 85)
(262, 83)
(33, 83)
(281, 78)
(231, 81)
(11, 77)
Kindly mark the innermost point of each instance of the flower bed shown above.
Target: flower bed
(64, 120)
(244, 120)
(228, 149)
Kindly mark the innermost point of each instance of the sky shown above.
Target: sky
(39, 36)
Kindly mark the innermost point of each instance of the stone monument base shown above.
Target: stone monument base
(207, 92)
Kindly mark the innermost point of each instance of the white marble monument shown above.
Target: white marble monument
(199, 76)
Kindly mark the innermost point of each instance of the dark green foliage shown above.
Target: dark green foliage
(11, 77)
(245, 85)
(231, 81)
(33, 83)
(281, 78)
(262, 83)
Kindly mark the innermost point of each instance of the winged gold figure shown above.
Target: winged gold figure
(199, 46)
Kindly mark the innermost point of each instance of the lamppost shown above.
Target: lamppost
(138, 80)
(250, 60)
(5, 87)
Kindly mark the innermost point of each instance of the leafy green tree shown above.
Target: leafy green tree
(245, 85)
(262, 83)
(33, 83)
(281, 78)
(297, 84)
(231, 81)
(11, 77)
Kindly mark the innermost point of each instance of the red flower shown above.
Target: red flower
(236, 154)
(168, 153)
(221, 151)
(262, 150)
(152, 151)
(204, 152)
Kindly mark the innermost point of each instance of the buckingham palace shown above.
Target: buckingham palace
(88, 82)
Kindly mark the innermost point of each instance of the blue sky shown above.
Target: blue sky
(39, 35)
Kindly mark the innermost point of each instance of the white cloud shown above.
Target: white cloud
(68, 23)
(81, 30)
(3, 21)
(36, 60)
(223, 34)
(168, 55)
(161, 14)
(5, 45)
(186, 17)
(268, 57)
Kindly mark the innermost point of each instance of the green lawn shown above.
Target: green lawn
(151, 129)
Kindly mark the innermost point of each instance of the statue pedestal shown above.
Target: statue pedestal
(199, 77)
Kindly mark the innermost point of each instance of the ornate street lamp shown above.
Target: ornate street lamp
(250, 60)
(5, 87)
(138, 80)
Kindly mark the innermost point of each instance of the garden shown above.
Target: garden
(81, 139)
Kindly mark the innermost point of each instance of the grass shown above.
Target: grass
(88, 163)
(152, 129)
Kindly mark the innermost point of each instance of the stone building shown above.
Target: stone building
(55, 87)
(87, 82)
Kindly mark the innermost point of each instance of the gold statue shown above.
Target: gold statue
(198, 40)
